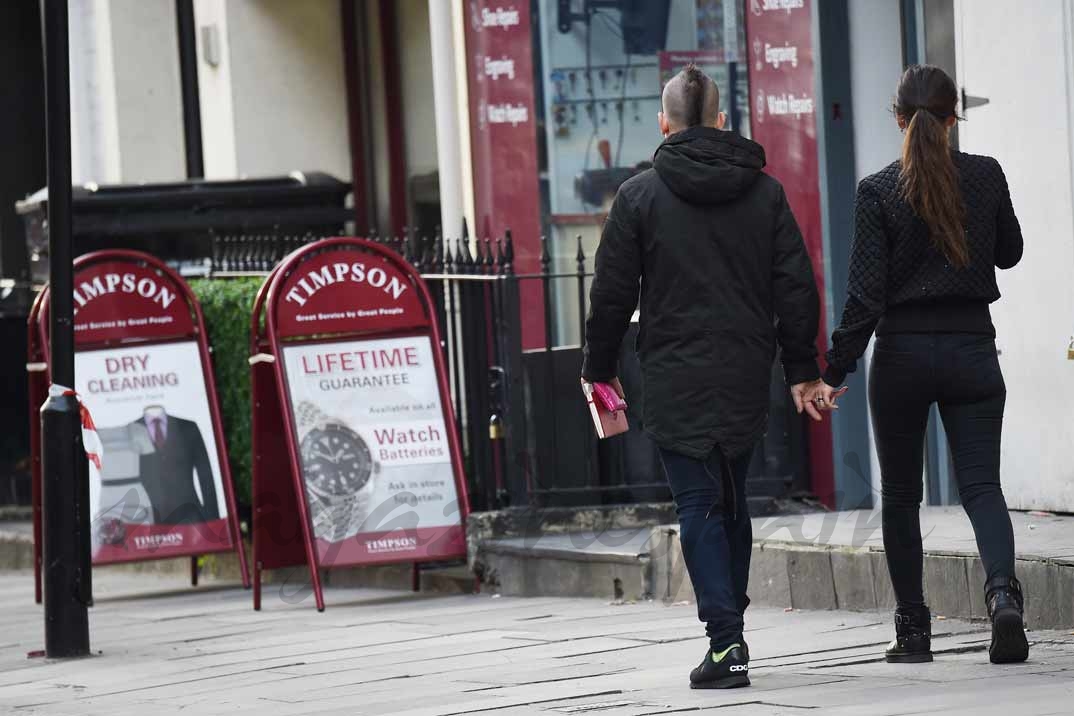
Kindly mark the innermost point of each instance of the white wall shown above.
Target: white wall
(287, 87)
(1027, 127)
(126, 101)
(459, 19)
(214, 90)
(875, 67)
(149, 103)
(276, 102)
(94, 129)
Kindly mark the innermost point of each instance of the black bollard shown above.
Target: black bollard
(65, 471)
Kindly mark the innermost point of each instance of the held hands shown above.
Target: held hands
(816, 396)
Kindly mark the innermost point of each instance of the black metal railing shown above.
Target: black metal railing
(525, 429)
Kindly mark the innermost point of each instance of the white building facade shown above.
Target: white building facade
(377, 92)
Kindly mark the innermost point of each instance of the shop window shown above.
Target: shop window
(603, 65)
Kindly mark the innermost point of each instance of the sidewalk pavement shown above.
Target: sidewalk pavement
(163, 648)
(820, 560)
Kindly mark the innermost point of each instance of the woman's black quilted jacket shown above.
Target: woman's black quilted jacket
(899, 280)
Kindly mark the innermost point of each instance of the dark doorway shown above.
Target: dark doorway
(22, 171)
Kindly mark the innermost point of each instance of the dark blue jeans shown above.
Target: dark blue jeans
(716, 537)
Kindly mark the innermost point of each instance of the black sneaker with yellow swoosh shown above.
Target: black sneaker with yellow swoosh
(727, 669)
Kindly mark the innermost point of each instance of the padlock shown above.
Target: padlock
(495, 427)
(1070, 349)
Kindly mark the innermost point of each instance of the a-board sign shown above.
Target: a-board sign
(163, 486)
(347, 366)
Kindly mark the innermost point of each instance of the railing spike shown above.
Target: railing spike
(433, 253)
(449, 256)
(464, 249)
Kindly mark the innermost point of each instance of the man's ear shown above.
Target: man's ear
(721, 120)
(662, 121)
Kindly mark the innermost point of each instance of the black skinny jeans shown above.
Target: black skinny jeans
(961, 373)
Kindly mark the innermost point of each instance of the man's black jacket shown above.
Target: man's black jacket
(724, 274)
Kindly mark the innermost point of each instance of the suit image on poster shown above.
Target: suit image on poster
(178, 452)
(159, 488)
(373, 446)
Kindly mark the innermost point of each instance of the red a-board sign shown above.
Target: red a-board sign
(346, 366)
(163, 487)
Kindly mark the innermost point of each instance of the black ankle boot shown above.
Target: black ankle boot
(913, 636)
(1003, 595)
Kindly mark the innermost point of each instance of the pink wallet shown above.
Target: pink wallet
(607, 409)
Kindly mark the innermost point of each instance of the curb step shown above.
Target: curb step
(646, 563)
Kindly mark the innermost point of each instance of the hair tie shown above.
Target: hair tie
(938, 115)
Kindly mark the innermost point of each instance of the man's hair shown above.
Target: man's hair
(691, 99)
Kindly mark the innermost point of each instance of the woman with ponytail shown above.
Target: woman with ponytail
(930, 231)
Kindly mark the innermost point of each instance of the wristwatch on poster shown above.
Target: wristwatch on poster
(338, 470)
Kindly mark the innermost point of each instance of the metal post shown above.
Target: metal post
(514, 393)
(65, 471)
(188, 80)
(580, 260)
(548, 448)
(592, 456)
(732, 97)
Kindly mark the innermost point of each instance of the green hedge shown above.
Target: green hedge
(227, 304)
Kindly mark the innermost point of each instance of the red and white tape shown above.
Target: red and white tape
(91, 441)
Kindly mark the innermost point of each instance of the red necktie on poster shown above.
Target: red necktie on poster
(158, 433)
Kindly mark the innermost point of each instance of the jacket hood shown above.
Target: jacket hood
(703, 165)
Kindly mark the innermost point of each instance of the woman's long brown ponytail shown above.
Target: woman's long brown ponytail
(925, 99)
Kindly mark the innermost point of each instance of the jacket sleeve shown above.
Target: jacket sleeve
(795, 299)
(203, 467)
(866, 288)
(614, 293)
(1008, 231)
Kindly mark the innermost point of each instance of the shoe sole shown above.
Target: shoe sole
(730, 682)
(1009, 644)
(908, 658)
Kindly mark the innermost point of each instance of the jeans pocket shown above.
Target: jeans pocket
(889, 357)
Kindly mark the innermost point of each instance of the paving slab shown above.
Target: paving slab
(378, 652)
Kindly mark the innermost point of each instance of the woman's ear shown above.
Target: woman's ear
(950, 121)
(901, 121)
